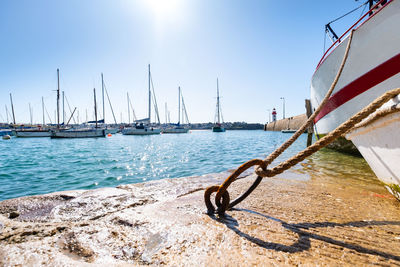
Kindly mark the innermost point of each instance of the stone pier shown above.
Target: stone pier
(292, 123)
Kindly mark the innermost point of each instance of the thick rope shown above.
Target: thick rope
(264, 163)
(262, 170)
(339, 131)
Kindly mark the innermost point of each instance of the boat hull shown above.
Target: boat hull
(27, 133)
(379, 143)
(111, 130)
(174, 130)
(79, 133)
(369, 71)
(288, 131)
(136, 131)
(6, 132)
(218, 129)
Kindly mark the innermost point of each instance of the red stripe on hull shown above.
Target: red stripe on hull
(373, 77)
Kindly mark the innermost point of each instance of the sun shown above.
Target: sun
(164, 9)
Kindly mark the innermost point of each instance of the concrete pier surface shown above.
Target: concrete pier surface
(288, 220)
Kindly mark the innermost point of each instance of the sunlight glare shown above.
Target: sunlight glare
(164, 9)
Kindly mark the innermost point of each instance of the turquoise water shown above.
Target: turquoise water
(30, 166)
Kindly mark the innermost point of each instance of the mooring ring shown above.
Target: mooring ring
(222, 206)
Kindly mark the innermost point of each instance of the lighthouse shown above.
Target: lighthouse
(273, 114)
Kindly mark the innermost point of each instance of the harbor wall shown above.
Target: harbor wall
(292, 123)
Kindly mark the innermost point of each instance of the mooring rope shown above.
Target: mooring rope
(262, 171)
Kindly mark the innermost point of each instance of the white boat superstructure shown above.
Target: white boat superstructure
(140, 130)
(371, 69)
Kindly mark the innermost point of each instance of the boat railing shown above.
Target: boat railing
(354, 26)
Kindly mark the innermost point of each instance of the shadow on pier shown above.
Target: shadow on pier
(304, 238)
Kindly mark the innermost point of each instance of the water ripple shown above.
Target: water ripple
(42, 165)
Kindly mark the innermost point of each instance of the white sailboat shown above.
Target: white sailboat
(39, 131)
(143, 127)
(109, 129)
(178, 128)
(78, 132)
(218, 128)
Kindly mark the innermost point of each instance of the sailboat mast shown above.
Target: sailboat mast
(43, 111)
(218, 115)
(149, 96)
(30, 112)
(179, 105)
(7, 114)
(166, 113)
(12, 108)
(129, 112)
(58, 98)
(109, 101)
(95, 105)
(63, 110)
(102, 90)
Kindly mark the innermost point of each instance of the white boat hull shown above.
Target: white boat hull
(28, 133)
(136, 131)
(79, 133)
(371, 69)
(379, 143)
(175, 130)
(111, 130)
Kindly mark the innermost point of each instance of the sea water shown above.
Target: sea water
(30, 166)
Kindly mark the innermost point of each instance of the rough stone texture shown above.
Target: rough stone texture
(319, 221)
(292, 123)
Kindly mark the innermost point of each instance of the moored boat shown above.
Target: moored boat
(32, 133)
(78, 133)
(377, 139)
(140, 129)
(371, 69)
(218, 128)
(175, 129)
(288, 131)
(178, 128)
(144, 126)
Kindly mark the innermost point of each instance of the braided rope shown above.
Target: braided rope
(262, 171)
(339, 131)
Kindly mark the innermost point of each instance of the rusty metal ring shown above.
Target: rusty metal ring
(235, 175)
(222, 207)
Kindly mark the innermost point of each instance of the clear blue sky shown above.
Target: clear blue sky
(260, 50)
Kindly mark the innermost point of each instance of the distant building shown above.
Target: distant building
(273, 114)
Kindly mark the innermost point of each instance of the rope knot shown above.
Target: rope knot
(263, 172)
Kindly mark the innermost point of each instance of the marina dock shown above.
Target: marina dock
(323, 220)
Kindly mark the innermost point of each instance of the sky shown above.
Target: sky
(260, 50)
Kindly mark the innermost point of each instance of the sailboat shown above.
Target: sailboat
(218, 128)
(80, 132)
(39, 131)
(109, 129)
(143, 126)
(178, 128)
